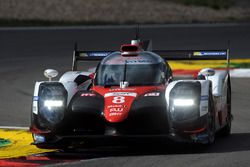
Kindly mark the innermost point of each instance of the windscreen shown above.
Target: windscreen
(135, 74)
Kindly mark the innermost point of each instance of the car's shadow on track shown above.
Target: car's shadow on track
(234, 143)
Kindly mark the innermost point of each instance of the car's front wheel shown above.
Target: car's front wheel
(211, 120)
(226, 130)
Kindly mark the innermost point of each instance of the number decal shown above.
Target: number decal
(118, 99)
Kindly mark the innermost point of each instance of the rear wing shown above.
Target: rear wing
(193, 54)
(165, 54)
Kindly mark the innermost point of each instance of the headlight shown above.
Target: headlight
(53, 103)
(183, 102)
(52, 110)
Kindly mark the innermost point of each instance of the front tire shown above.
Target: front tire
(226, 130)
(211, 120)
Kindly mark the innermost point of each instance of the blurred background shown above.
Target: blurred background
(85, 12)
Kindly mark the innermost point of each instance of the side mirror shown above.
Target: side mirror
(92, 76)
(207, 72)
(50, 73)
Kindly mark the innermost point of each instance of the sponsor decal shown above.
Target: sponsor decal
(119, 89)
(152, 94)
(210, 53)
(98, 54)
(116, 108)
(88, 94)
(145, 61)
(118, 60)
(134, 58)
(115, 114)
(132, 94)
(203, 98)
(122, 60)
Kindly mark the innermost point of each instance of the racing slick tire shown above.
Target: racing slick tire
(211, 120)
(226, 130)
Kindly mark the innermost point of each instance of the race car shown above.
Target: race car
(132, 94)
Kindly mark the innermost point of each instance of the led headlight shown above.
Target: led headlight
(53, 103)
(183, 102)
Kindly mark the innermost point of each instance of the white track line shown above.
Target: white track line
(240, 73)
(14, 127)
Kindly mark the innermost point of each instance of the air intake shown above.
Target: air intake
(130, 50)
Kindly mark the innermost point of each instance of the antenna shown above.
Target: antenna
(137, 32)
(76, 46)
(136, 40)
(74, 63)
(228, 52)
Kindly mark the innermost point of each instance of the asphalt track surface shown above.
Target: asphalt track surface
(25, 53)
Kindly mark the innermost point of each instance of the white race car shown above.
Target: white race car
(132, 93)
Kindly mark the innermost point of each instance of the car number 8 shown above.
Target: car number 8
(118, 99)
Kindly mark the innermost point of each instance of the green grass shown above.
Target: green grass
(215, 4)
(4, 142)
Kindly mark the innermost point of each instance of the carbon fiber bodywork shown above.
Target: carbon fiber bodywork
(85, 116)
(84, 119)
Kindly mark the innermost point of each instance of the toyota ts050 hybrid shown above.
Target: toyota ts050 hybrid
(132, 93)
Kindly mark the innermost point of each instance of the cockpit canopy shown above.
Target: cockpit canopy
(146, 68)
